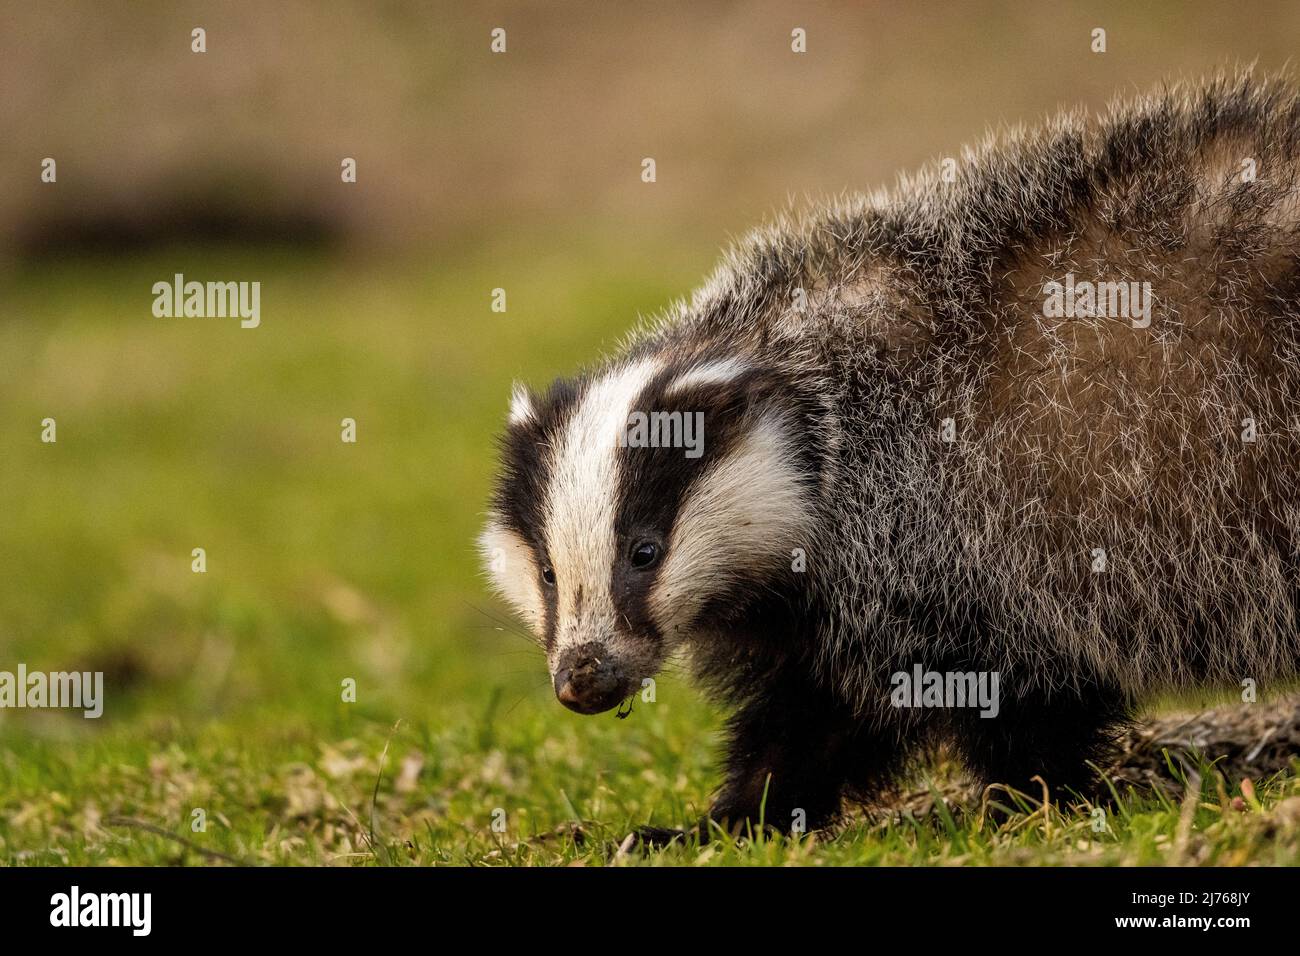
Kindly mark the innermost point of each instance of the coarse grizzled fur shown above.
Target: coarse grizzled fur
(910, 459)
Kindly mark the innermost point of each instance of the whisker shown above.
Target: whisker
(526, 694)
(503, 624)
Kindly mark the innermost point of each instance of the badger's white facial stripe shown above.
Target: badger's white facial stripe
(741, 518)
(717, 372)
(513, 572)
(582, 503)
(521, 405)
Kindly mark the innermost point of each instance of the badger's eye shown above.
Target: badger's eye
(548, 575)
(645, 554)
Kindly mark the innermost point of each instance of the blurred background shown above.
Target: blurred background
(475, 171)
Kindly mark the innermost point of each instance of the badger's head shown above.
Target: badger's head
(639, 507)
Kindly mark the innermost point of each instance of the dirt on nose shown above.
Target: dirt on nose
(588, 680)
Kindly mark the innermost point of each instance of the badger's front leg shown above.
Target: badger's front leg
(790, 753)
(793, 751)
(784, 767)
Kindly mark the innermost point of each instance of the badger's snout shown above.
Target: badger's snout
(588, 680)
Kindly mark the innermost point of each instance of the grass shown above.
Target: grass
(329, 561)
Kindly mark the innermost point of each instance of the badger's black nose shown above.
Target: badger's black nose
(586, 682)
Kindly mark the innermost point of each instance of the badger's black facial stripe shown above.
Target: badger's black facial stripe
(654, 482)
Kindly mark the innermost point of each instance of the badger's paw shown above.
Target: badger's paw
(647, 839)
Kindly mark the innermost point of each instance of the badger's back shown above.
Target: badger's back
(1134, 481)
(1024, 488)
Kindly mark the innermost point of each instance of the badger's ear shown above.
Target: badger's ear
(714, 372)
(522, 407)
(738, 398)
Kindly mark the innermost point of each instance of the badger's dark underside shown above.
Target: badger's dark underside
(797, 772)
(797, 750)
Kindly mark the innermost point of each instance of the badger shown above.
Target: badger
(1030, 418)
